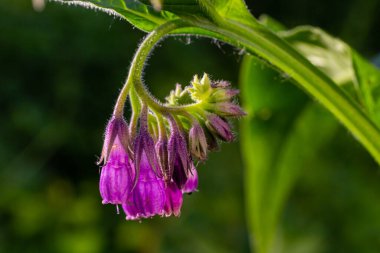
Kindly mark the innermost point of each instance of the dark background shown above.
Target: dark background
(61, 70)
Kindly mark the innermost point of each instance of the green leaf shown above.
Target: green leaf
(231, 9)
(359, 78)
(141, 15)
(280, 137)
(329, 54)
(271, 23)
(368, 79)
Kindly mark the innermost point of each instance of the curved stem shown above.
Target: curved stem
(161, 125)
(120, 102)
(140, 57)
(136, 107)
(260, 41)
(137, 65)
(136, 69)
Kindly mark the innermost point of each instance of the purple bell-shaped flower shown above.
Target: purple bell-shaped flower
(147, 199)
(117, 173)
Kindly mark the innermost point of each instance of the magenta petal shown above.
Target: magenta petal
(192, 182)
(116, 176)
(179, 174)
(148, 197)
(173, 201)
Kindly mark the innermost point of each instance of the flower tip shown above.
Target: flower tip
(221, 84)
(198, 142)
(205, 79)
(228, 109)
(232, 92)
(219, 127)
(116, 131)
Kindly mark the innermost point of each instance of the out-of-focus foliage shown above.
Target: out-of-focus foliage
(279, 130)
(359, 78)
(288, 133)
(61, 73)
(282, 129)
(356, 75)
(61, 70)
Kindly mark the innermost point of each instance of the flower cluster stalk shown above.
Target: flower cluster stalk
(150, 163)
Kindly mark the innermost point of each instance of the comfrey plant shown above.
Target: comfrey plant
(149, 163)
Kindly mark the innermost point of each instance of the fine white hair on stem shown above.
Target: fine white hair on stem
(87, 5)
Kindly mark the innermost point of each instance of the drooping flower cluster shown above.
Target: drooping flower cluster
(147, 169)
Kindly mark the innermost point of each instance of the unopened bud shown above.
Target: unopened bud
(116, 128)
(197, 142)
(221, 84)
(219, 127)
(228, 109)
(222, 95)
(178, 155)
(200, 89)
(162, 155)
(212, 142)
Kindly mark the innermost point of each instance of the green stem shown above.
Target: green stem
(120, 102)
(136, 108)
(259, 40)
(135, 73)
(139, 61)
(161, 125)
(137, 66)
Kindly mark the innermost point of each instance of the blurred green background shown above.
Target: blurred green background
(61, 70)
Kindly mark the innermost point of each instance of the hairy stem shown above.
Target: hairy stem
(137, 66)
(260, 41)
(134, 78)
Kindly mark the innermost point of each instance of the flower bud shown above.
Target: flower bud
(219, 127)
(197, 142)
(200, 89)
(178, 155)
(116, 128)
(228, 109)
(220, 84)
(162, 155)
(178, 96)
(212, 142)
(222, 95)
